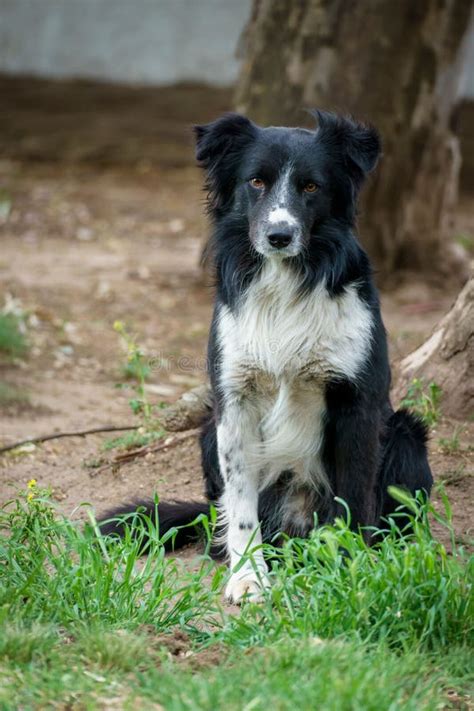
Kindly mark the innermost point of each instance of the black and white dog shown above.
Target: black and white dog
(297, 351)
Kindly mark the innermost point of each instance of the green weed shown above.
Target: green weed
(466, 241)
(133, 439)
(423, 400)
(137, 370)
(452, 445)
(13, 341)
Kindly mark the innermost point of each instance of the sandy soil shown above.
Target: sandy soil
(95, 234)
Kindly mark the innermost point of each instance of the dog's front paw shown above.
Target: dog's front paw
(246, 586)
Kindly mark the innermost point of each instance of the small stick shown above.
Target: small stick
(58, 435)
(143, 451)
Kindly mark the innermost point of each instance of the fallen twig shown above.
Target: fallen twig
(58, 435)
(148, 449)
(454, 477)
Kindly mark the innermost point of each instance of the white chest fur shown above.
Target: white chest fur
(278, 350)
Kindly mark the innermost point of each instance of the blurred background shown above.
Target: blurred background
(102, 219)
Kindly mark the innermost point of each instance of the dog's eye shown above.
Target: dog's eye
(257, 183)
(310, 187)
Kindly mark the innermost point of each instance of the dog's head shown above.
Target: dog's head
(286, 181)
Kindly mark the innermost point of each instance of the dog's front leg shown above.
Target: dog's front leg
(356, 462)
(237, 439)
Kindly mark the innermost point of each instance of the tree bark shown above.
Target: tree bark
(393, 63)
(447, 358)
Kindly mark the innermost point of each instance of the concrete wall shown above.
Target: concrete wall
(144, 41)
(466, 83)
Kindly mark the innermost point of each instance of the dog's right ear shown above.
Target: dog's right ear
(219, 146)
(226, 135)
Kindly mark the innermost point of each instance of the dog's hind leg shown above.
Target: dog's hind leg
(405, 462)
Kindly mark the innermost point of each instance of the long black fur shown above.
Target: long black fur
(171, 514)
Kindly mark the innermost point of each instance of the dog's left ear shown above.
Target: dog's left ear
(363, 146)
(219, 147)
(360, 142)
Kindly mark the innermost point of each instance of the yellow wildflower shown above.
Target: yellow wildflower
(32, 483)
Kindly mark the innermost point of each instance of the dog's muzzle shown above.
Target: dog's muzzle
(280, 239)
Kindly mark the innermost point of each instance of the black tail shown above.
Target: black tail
(170, 514)
(405, 462)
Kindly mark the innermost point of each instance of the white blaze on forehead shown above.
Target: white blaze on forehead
(281, 214)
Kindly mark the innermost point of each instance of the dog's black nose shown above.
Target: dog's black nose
(280, 239)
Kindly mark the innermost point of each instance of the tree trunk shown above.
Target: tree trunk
(393, 63)
(447, 358)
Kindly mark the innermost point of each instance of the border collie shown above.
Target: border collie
(297, 355)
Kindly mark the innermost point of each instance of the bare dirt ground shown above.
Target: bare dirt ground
(106, 223)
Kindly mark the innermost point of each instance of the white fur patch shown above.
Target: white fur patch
(278, 351)
(281, 215)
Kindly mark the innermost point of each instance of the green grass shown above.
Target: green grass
(334, 675)
(406, 595)
(133, 439)
(12, 340)
(84, 621)
(56, 571)
(310, 674)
